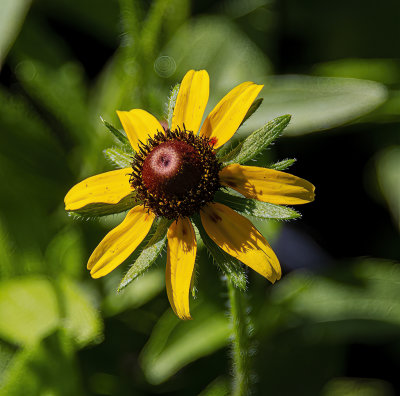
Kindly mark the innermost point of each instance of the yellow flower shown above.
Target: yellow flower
(175, 174)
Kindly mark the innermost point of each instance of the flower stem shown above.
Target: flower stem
(240, 323)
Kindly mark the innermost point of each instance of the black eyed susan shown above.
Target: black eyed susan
(178, 176)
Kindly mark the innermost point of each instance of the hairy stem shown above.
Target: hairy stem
(241, 348)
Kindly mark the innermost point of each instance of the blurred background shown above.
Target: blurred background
(331, 326)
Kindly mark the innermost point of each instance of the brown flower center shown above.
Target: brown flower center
(175, 173)
(172, 168)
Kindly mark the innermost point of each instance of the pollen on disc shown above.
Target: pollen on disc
(175, 173)
(172, 168)
(165, 161)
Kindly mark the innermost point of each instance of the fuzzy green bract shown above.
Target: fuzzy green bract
(149, 254)
(257, 142)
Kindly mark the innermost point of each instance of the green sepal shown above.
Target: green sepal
(149, 254)
(252, 207)
(253, 108)
(282, 165)
(258, 141)
(171, 103)
(103, 209)
(117, 133)
(118, 156)
(231, 267)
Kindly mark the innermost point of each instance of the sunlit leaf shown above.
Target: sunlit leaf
(66, 251)
(373, 295)
(27, 303)
(316, 103)
(80, 319)
(12, 16)
(203, 44)
(174, 343)
(138, 293)
(388, 172)
(41, 306)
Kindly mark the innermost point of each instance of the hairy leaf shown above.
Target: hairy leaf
(282, 165)
(148, 255)
(256, 208)
(171, 103)
(119, 157)
(117, 133)
(258, 141)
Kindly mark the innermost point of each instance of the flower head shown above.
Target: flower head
(178, 179)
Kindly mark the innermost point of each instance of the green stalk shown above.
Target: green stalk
(241, 348)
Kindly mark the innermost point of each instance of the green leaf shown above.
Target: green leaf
(45, 368)
(80, 319)
(230, 266)
(258, 141)
(66, 251)
(119, 157)
(62, 92)
(117, 133)
(252, 207)
(219, 387)
(42, 306)
(357, 387)
(282, 165)
(11, 19)
(6, 254)
(31, 308)
(253, 108)
(147, 287)
(316, 103)
(103, 209)
(6, 353)
(202, 43)
(386, 71)
(372, 293)
(174, 343)
(149, 254)
(152, 27)
(387, 167)
(171, 103)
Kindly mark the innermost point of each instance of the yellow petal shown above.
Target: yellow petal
(138, 125)
(224, 120)
(267, 185)
(120, 242)
(109, 187)
(181, 255)
(238, 237)
(191, 101)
